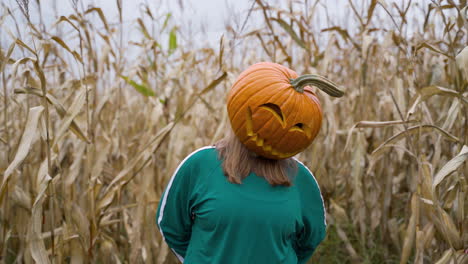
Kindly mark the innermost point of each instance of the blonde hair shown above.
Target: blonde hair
(239, 162)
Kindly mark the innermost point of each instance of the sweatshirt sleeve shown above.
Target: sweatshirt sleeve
(313, 230)
(174, 217)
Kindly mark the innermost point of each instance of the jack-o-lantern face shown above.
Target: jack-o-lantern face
(272, 113)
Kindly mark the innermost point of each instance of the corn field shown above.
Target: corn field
(92, 124)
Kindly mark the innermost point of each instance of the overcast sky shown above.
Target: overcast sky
(209, 15)
(205, 17)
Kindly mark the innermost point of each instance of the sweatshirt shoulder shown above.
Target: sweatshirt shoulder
(201, 155)
(304, 175)
(310, 189)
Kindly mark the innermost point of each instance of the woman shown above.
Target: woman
(246, 200)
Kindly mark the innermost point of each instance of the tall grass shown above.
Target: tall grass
(92, 126)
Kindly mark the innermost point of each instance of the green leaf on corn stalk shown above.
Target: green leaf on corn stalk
(141, 88)
(168, 16)
(172, 40)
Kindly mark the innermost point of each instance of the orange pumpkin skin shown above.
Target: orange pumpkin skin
(269, 115)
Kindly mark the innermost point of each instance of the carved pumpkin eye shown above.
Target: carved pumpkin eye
(302, 128)
(275, 110)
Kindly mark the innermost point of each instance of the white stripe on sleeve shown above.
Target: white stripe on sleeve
(323, 204)
(168, 188)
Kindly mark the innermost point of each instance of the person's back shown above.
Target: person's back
(252, 222)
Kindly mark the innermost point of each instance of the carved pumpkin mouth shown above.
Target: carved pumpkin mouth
(261, 142)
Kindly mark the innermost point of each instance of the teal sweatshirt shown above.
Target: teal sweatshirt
(206, 219)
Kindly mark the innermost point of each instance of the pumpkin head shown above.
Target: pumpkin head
(273, 112)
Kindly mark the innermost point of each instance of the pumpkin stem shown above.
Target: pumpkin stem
(316, 80)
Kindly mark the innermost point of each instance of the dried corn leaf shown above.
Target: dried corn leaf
(163, 253)
(82, 223)
(58, 107)
(428, 236)
(37, 246)
(370, 10)
(339, 213)
(21, 198)
(22, 44)
(452, 115)
(451, 166)
(428, 92)
(99, 162)
(446, 227)
(413, 130)
(65, 46)
(408, 243)
(349, 247)
(419, 254)
(148, 149)
(27, 139)
(446, 257)
(62, 19)
(71, 177)
(20, 62)
(101, 16)
(40, 177)
(291, 32)
(143, 28)
(221, 128)
(40, 73)
(213, 84)
(462, 60)
(144, 154)
(373, 124)
(426, 180)
(378, 124)
(77, 255)
(106, 200)
(72, 112)
(394, 232)
(344, 34)
(6, 58)
(367, 41)
(433, 48)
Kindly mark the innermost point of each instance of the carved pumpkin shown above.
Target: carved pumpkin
(273, 112)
